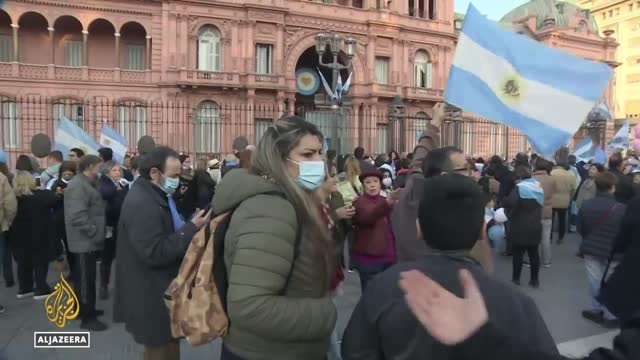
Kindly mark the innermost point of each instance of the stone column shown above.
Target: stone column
(148, 54)
(15, 41)
(292, 104)
(371, 54)
(117, 40)
(51, 45)
(278, 65)
(85, 50)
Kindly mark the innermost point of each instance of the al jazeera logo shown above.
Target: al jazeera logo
(61, 306)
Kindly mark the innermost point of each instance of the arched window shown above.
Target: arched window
(209, 49)
(207, 127)
(71, 109)
(9, 116)
(422, 67)
(132, 120)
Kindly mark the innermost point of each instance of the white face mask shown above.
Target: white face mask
(387, 182)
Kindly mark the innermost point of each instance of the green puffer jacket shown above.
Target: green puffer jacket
(258, 255)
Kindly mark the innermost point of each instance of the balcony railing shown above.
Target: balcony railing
(419, 93)
(265, 80)
(385, 89)
(69, 73)
(200, 77)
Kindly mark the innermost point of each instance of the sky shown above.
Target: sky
(494, 9)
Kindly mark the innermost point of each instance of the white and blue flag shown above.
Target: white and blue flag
(584, 150)
(68, 136)
(531, 189)
(599, 157)
(508, 78)
(112, 139)
(621, 140)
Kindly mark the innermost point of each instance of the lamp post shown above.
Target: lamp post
(595, 125)
(335, 42)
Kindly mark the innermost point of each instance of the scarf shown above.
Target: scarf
(531, 189)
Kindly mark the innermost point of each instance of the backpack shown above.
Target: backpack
(197, 297)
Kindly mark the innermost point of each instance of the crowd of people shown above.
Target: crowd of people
(302, 216)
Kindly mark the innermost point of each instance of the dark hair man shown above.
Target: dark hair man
(599, 221)
(152, 240)
(50, 174)
(75, 154)
(106, 154)
(381, 323)
(365, 164)
(85, 224)
(624, 186)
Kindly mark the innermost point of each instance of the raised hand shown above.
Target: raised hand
(201, 218)
(448, 318)
(346, 212)
(439, 113)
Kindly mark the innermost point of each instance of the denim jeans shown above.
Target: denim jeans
(6, 259)
(545, 242)
(369, 271)
(334, 345)
(595, 270)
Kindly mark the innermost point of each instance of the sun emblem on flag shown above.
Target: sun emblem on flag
(512, 88)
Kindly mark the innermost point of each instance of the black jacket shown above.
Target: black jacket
(525, 219)
(383, 327)
(32, 234)
(621, 294)
(149, 254)
(113, 197)
(624, 187)
(492, 343)
(599, 221)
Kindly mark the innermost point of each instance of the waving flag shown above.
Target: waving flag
(347, 84)
(584, 150)
(68, 136)
(327, 88)
(112, 139)
(508, 78)
(621, 140)
(600, 157)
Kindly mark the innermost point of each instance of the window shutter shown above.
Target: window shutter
(6, 48)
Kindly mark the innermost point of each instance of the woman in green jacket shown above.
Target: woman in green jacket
(278, 251)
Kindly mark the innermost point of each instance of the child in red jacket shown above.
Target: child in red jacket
(374, 248)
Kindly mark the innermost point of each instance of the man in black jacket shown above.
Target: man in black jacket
(624, 186)
(152, 240)
(451, 217)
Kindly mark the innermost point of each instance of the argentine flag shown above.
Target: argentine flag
(510, 79)
(621, 140)
(111, 139)
(68, 136)
(584, 150)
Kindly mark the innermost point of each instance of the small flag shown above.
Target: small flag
(68, 136)
(347, 84)
(584, 150)
(600, 156)
(621, 140)
(543, 92)
(327, 88)
(112, 139)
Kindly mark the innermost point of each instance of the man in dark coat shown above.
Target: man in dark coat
(624, 185)
(85, 225)
(152, 240)
(383, 327)
(365, 165)
(599, 222)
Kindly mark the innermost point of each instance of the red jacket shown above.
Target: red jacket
(371, 223)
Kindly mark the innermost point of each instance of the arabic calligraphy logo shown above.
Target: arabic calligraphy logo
(62, 304)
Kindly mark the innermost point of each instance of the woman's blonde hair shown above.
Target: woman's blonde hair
(352, 168)
(23, 183)
(270, 162)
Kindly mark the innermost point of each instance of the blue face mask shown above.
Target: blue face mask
(312, 174)
(170, 185)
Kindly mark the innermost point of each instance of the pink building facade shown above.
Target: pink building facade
(177, 70)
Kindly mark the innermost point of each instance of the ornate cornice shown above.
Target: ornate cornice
(325, 24)
(87, 5)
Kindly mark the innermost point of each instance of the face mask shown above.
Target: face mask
(311, 174)
(386, 182)
(66, 179)
(170, 185)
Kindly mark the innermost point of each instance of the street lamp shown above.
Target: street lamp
(335, 42)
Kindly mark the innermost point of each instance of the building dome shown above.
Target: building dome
(545, 10)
